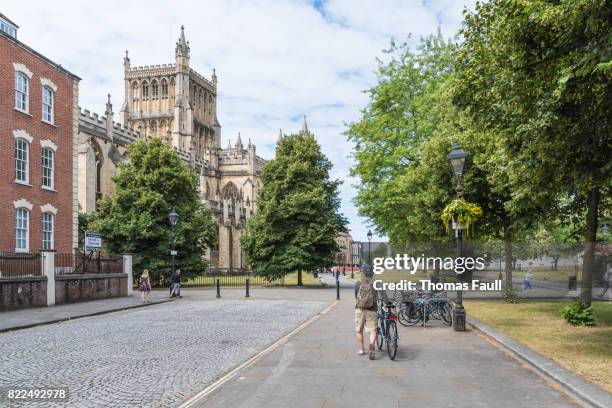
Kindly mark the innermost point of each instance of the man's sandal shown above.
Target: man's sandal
(361, 352)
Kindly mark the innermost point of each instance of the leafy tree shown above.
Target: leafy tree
(401, 145)
(297, 219)
(406, 106)
(135, 217)
(84, 223)
(538, 75)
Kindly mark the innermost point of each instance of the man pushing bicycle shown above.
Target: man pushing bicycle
(365, 311)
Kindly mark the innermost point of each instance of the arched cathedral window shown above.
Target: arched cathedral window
(135, 91)
(164, 89)
(155, 89)
(145, 90)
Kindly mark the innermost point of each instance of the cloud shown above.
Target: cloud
(275, 60)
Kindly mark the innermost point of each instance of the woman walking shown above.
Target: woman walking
(145, 286)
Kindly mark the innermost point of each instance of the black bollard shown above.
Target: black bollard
(247, 287)
(337, 290)
(218, 288)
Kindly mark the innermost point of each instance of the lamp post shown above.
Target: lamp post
(353, 247)
(369, 248)
(456, 158)
(605, 229)
(173, 217)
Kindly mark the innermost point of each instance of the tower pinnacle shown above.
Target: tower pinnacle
(109, 107)
(182, 46)
(238, 142)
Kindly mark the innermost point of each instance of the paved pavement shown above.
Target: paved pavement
(435, 367)
(161, 355)
(156, 356)
(42, 315)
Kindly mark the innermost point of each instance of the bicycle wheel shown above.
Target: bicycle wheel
(380, 333)
(409, 314)
(436, 310)
(447, 313)
(392, 340)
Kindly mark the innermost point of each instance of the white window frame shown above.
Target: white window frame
(50, 168)
(26, 170)
(50, 231)
(48, 115)
(22, 94)
(26, 247)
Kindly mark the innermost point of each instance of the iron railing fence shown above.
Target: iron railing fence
(208, 278)
(17, 265)
(80, 263)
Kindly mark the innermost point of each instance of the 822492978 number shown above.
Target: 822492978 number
(35, 394)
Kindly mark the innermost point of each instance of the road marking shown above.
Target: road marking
(279, 370)
(191, 402)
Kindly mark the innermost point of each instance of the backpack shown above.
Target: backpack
(365, 297)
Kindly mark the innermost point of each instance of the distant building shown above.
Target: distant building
(345, 242)
(357, 253)
(38, 128)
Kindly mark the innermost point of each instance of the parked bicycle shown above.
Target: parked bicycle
(419, 306)
(386, 330)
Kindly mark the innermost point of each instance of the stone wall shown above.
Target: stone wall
(23, 293)
(77, 288)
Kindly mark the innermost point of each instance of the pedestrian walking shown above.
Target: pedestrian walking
(175, 290)
(527, 280)
(365, 312)
(145, 286)
(607, 281)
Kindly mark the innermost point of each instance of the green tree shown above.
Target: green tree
(405, 107)
(297, 218)
(538, 75)
(134, 218)
(401, 145)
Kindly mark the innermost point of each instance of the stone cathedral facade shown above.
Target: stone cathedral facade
(177, 104)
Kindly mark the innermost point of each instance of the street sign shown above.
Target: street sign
(93, 241)
(173, 252)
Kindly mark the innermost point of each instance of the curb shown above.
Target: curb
(65, 319)
(585, 391)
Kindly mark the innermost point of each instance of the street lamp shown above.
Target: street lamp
(173, 217)
(369, 248)
(456, 159)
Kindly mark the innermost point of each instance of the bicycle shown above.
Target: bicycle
(419, 307)
(386, 329)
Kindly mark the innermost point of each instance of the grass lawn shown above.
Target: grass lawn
(546, 275)
(539, 325)
(307, 280)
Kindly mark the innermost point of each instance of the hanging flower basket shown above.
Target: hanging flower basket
(465, 215)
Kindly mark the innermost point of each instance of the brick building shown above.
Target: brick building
(38, 136)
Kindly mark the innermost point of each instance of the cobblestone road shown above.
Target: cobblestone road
(156, 356)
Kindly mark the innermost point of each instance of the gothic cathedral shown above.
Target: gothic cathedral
(177, 104)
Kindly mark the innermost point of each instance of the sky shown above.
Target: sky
(276, 60)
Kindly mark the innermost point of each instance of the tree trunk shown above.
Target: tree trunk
(556, 264)
(589, 250)
(508, 255)
(299, 282)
